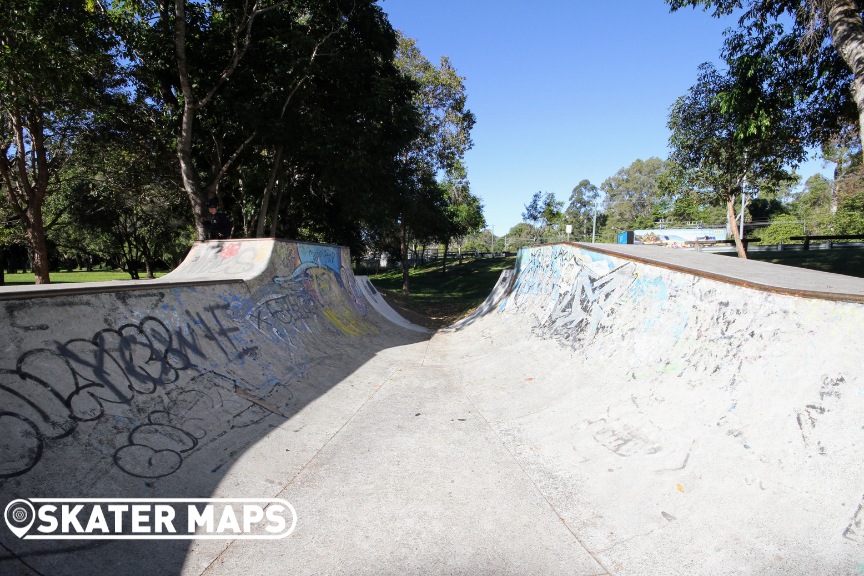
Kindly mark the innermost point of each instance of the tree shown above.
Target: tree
(325, 161)
(125, 201)
(544, 212)
(534, 210)
(850, 215)
(814, 205)
(817, 48)
(56, 73)
(444, 137)
(582, 207)
(262, 94)
(463, 213)
(781, 229)
(634, 196)
(731, 135)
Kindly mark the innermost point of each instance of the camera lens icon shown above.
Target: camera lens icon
(19, 516)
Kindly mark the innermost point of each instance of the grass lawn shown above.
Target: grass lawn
(849, 261)
(19, 279)
(438, 299)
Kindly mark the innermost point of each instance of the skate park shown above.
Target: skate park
(608, 410)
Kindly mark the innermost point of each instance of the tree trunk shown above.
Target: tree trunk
(730, 213)
(274, 216)
(847, 34)
(403, 238)
(444, 260)
(184, 142)
(268, 191)
(35, 235)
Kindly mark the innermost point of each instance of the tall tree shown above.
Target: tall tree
(444, 139)
(56, 72)
(122, 193)
(544, 212)
(464, 211)
(582, 207)
(730, 136)
(633, 196)
(817, 47)
(232, 77)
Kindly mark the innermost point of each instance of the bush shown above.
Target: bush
(850, 215)
(782, 227)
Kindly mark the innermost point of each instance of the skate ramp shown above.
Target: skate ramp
(383, 308)
(608, 410)
(160, 388)
(678, 420)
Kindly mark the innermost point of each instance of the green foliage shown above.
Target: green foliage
(446, 297)
(727, 130)
(634, 197)
(18, 279)
(813, 205)
(583, 204)
(688, 207)
(787, 45)
(420, 206)
(544, 212)
(306, 118)
(780, 230)
(522, 234)
(765, 209)
(850, 215)
(732, 134)
(441, 99)
(57, 72)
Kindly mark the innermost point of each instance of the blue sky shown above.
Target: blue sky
(563, 90)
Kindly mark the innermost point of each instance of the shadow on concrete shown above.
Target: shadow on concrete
(158, 393)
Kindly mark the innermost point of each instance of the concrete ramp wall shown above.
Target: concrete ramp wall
(677, 420)
(157, 390)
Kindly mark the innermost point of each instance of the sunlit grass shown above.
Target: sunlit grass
(21, 279)
(847, 261)
(448, 296)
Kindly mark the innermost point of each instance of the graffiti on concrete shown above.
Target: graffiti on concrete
(51, 390)
(181, 421)
(225, 258)
(215, 331)
(133, 373)
(319, 285)
(572, 296)
(855, 530)
(283, 312)
(807, 418)
(579, 311)
(147, 391)
(320, 256)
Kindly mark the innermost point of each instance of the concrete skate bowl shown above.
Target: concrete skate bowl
(608, 410)
(158, 389)
(682, 413)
